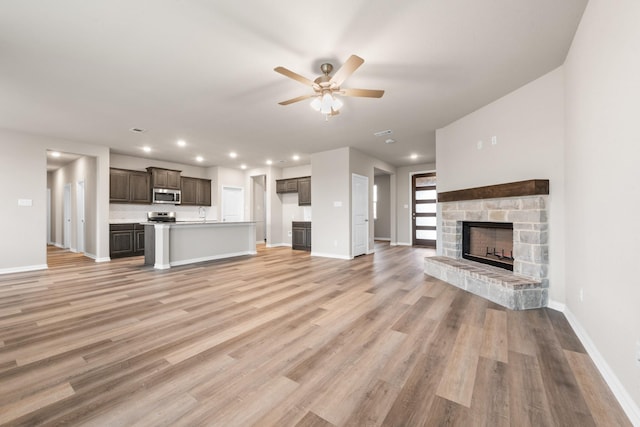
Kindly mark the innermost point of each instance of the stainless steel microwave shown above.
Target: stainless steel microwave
(163, 195)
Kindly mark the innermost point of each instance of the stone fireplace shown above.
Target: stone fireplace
(515, 211)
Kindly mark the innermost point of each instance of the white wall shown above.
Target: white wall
(23, 166)
(529, 126)
(330, 196)
(382, 224)
(602, 74)
(142, 163)
(403, 201)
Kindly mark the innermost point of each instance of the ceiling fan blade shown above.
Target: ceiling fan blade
(297, 99)
(366, 93)
(294, 76)
(347, 69)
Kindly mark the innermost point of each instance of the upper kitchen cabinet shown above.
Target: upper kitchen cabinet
(127, 186)
(164, 178)
(301, 185)
(304, 191)
(195, 191)
(287, 185)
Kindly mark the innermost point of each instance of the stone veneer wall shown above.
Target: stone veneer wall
(530, 230)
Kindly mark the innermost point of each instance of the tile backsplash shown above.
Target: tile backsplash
(135, 213)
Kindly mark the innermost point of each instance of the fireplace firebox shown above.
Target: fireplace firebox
(488, 243)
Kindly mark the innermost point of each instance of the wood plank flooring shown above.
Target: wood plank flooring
(283, 339)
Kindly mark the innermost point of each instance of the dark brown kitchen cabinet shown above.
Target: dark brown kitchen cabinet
(164, 178)
(301, 235)
(287, 185)
(128, 186)
(304, 192)
(126, 240)
(195, 191)
(301, 185)
(139, 189)
(119, 185)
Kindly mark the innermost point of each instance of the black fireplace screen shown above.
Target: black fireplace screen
(489, 243)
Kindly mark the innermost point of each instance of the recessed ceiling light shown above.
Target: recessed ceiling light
(243, 166)
(233, 154)
(295, 157)
(55, 154)
(269, 162)
(199, 158)
(414, 156)
(389, 141)
(146, 149)
(182, 142)
(137, 130)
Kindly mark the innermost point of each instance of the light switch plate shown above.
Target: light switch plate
(25, 202)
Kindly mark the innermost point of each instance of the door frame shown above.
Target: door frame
(80, 222)
(66, 216)
(365, 181)
(263, 218)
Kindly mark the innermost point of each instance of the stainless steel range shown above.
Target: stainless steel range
(161, 216)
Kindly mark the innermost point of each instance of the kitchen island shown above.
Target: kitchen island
(170, 244)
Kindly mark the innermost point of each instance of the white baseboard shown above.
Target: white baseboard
(23, 269)
(402, 244)
(626, 401)
(103, 259)
(58, 245)
(557, 306)
(325, 255)
(278, 245)
(384, 239)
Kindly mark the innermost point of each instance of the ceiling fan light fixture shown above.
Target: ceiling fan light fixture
(327, 102)
(316, 104)
(337, 104)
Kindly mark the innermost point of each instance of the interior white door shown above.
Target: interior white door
(360, 214)
(66, 217)
(232, 203)
(80, 223)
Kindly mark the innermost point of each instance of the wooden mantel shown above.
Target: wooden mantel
(531, 187)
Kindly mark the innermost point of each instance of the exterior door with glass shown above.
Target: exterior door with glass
(424, 200)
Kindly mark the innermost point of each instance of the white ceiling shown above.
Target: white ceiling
(202, 71)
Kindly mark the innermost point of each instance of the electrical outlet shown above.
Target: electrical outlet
(638, 354)
(494, 140)
(581, 295)
(289, 233)
(479, 144)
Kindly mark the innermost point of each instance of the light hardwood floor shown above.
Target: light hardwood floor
(283, 339)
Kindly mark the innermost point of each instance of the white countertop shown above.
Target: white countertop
(208, 222)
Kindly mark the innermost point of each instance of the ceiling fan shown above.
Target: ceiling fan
(326, 87)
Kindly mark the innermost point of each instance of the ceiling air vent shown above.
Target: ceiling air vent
(383, 132)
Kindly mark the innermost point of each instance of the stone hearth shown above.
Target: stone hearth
(524, 288)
